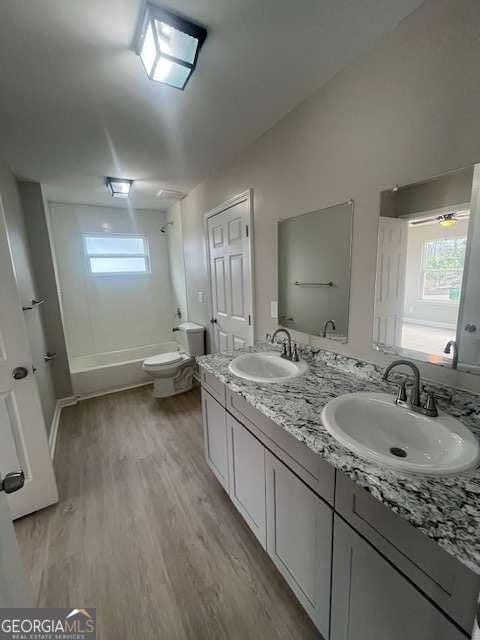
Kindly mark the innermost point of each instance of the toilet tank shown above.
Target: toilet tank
(191, 337)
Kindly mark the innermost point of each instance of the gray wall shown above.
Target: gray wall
(35, 213)
(404, 112)
(24, 274)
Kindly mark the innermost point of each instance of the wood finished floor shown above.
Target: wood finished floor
(144, 532)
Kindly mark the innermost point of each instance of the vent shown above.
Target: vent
(171, 194)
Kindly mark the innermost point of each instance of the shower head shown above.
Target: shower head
(163, 228)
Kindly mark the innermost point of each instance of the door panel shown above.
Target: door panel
(230, 272)
(247, 477)
(390, 282)
(220, 289)
(23, 437)
(237, 287)
(299, 539)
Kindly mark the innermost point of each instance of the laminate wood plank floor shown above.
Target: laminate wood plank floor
(145, 533)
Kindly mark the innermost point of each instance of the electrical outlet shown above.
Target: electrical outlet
(201, 296)
(274, 309)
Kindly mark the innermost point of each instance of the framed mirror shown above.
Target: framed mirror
(314, 263)
(427, 293)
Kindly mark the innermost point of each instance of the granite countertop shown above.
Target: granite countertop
(446, 508)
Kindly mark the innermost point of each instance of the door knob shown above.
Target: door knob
(19, 373)
(213, 321)
(12, 482)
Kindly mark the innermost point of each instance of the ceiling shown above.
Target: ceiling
(76, 104)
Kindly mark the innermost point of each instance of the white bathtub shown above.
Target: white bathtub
(113, 370)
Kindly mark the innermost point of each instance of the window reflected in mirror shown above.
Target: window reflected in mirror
(426, 244)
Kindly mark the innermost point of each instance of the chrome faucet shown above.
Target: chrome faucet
(413, 402)
(325, 326)
(452, 345)
(287, 351)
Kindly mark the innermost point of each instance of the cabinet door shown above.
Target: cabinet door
(247, 477)
(299, 539)
(215, 436)
(371, 600)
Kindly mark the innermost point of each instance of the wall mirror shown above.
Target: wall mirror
(314, 257)
(427, 294)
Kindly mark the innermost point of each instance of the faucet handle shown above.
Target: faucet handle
(401, 393)
(295, 356)
(268, 337)
(436, 394)
(430, 405)
(284, 352)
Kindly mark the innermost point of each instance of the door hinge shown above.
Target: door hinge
(246, 230)
(249, 320)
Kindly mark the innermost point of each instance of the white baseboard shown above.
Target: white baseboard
(52, 438)
(106, 392)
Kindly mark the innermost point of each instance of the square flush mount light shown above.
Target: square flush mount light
(119, 187)
(168, 46)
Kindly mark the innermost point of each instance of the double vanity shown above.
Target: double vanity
(318, 458)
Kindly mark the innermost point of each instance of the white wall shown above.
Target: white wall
(112, 312)
(27, 288)
(174, 233)
(405, 112)
(35, 213)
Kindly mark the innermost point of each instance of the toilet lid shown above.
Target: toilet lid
(164, 358)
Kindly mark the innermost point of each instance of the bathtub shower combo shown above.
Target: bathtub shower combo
(170, 364)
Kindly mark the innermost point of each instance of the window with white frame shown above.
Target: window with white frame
(443, 260)
(117, 254)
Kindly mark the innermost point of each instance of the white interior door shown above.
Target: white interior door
(390, 282)
(23, 437)
(229, 229)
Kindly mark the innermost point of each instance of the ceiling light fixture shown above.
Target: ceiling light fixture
(119, 187)
(447, 220)
(168, 46)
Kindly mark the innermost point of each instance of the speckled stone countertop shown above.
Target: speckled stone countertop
(446, 509)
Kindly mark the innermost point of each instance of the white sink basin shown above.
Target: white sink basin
(374, 427)
(266, 367)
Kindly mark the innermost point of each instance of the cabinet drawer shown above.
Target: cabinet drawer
(315, 472)
(450, 584)
(213, 385)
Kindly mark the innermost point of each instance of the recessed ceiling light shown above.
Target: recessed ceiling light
(168, 46)
(119, 187)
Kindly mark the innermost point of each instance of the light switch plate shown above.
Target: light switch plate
(274, 309)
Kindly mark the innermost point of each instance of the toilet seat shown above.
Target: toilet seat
(165, 359)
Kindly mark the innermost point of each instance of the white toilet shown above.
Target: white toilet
(172, 372)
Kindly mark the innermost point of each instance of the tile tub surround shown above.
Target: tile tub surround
(446, 508)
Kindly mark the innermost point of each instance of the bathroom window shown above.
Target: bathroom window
(443, 260)
(117, 254)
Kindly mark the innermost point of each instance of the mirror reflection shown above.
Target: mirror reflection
(314, 254)
(426, 305)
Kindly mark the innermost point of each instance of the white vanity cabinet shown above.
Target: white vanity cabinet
(384, 579)
(371, 600)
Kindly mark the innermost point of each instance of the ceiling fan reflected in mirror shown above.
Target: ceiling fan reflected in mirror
(445, 219)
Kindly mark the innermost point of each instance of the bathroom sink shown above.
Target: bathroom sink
(266, 367)
(374, 427)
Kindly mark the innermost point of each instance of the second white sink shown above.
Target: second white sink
(374, 427)
(266, 367)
